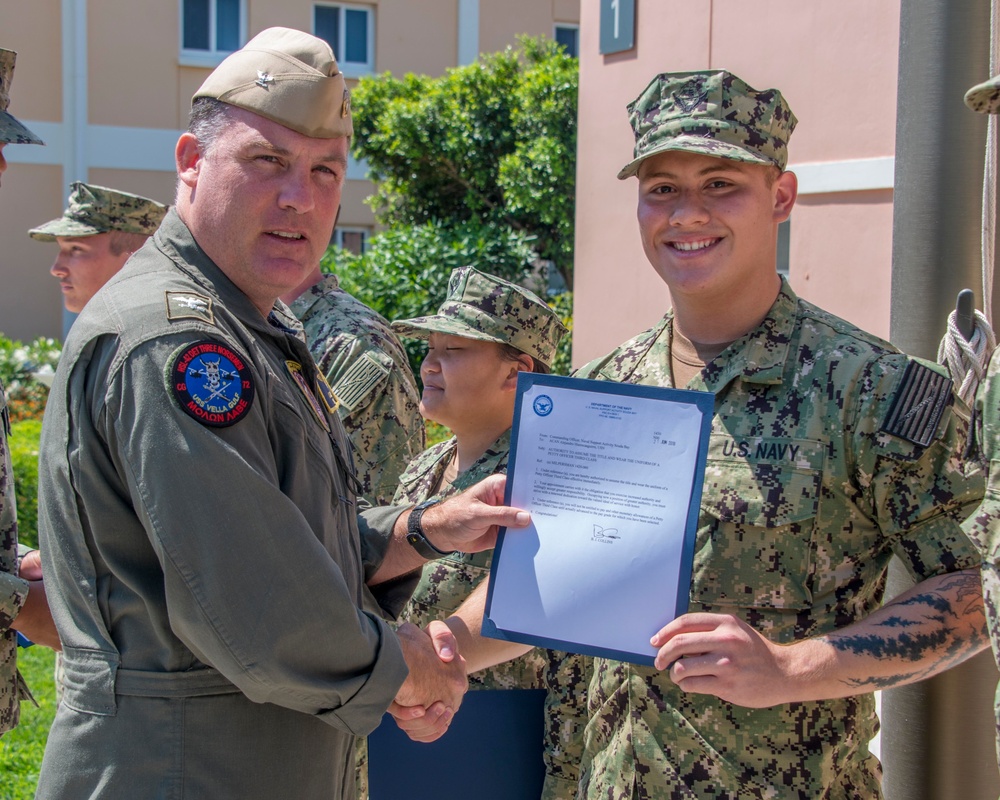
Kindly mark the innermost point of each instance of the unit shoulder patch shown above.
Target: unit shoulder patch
(918, 405)
(189, 305)
(211, 382)
(363, 376)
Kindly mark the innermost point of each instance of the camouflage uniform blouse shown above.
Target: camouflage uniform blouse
(805, 500)
(13, 590)
(984, 526)
(449, 581)
(370, 374)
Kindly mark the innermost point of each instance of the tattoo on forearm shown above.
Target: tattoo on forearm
(932, 626)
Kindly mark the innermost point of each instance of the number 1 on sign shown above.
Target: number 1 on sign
(614, 7)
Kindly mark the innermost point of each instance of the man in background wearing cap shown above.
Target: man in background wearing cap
(983, 526)
(23, 605)
(367, 367)
(830, 452)
(97, 232)
(198, 514)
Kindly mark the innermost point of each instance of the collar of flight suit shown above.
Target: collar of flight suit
(175, 240)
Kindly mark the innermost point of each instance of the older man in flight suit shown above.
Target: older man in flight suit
(222, 603)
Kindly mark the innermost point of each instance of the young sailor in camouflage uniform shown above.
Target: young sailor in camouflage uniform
(96, 234)
(486, 331)
(21, 600)
(830, 452)
(983, 527)
(368, 370)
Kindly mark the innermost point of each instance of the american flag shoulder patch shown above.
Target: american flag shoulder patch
(918, 405)
(363, 376)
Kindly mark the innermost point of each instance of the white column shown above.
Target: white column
(74, 86)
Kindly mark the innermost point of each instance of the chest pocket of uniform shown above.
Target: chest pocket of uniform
(301, 443)
(755, 539)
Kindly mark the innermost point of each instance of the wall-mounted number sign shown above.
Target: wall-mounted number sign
(617, 25)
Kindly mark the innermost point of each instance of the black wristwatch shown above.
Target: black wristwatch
(415, 533)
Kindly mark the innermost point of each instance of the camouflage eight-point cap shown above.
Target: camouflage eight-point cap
(485, 307)
(985, 97)
(11, 130)
(98, 209)
(712, 112)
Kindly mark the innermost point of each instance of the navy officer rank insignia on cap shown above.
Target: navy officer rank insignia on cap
(211, 382)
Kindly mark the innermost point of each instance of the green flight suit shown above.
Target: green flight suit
(206, 570)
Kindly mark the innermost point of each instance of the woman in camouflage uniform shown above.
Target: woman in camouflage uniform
(485, 333)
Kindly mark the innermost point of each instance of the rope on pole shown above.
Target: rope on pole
(967, 359)
(990, 176)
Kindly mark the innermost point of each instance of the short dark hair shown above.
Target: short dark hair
(510, 353)
(208, 119)
(123, 242)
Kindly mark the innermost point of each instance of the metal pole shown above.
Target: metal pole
(937, 739)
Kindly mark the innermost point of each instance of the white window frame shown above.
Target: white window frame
(351, 69)
(340, 230)
(208, 58)
(570, 26)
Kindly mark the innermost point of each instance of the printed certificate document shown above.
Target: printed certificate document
(612, 475)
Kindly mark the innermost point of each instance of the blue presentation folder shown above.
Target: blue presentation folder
(492, 751)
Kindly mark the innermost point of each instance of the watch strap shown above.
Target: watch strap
(415, 533)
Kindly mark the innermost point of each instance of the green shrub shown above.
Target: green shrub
(23, 440)
(562, 304)
(436, 432)
(20, 365)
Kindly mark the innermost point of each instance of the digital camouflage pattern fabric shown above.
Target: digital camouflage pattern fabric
(805, 500)
(447, 582)
(12, 131)
(983, 526)
(484, 307)
(97, 209)
(713, 113)
(13, 590)
(370, 375)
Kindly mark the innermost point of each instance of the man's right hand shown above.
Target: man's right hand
(431, 694)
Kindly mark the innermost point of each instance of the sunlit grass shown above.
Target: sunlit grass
(21, 749)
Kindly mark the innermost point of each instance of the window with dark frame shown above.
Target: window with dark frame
(212, 26)
(348, 30)
(354, 240)
(569, 37)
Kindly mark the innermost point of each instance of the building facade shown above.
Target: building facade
(108, 83)
(836, 63)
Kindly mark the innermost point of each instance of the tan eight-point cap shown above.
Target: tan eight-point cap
(289, 77)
